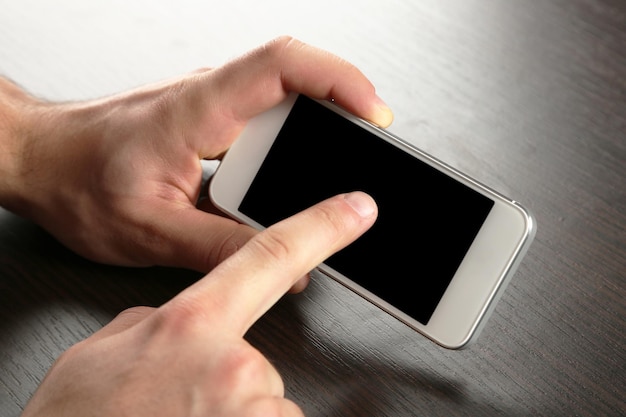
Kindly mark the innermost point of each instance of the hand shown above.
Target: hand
(117, 180)
(189, 357)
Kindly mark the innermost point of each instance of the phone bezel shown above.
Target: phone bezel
(478, 283)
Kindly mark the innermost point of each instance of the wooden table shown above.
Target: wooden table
(527, 97)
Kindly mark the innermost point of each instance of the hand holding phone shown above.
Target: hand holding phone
(444, 246)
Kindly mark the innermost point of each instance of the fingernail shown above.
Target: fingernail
(385, 115)
(362, 203)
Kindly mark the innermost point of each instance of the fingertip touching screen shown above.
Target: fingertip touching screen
(427, 219)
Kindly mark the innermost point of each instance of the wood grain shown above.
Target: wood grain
(527, 97)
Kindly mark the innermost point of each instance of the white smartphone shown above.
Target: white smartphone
(443, 247)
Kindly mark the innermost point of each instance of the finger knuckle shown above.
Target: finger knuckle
(179, 321)
(134, 312)
(281, 43)
(329, 220)
(228, 245)
(272, 245)
(245, 365)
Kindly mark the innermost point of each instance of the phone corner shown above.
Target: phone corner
(530, 221)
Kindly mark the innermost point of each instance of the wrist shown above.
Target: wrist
(17, 114)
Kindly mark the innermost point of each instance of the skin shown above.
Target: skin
(118, 179)
(189, 357)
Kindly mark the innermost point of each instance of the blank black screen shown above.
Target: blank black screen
(426, 223)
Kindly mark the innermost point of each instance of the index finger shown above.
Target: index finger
(242, 288)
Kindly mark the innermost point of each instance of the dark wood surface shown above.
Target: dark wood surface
(527, 97)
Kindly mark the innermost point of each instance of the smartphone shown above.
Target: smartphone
(443, 247)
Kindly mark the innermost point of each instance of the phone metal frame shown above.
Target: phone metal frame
(480, 280)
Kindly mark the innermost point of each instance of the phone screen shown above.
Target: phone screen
(427, 220)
